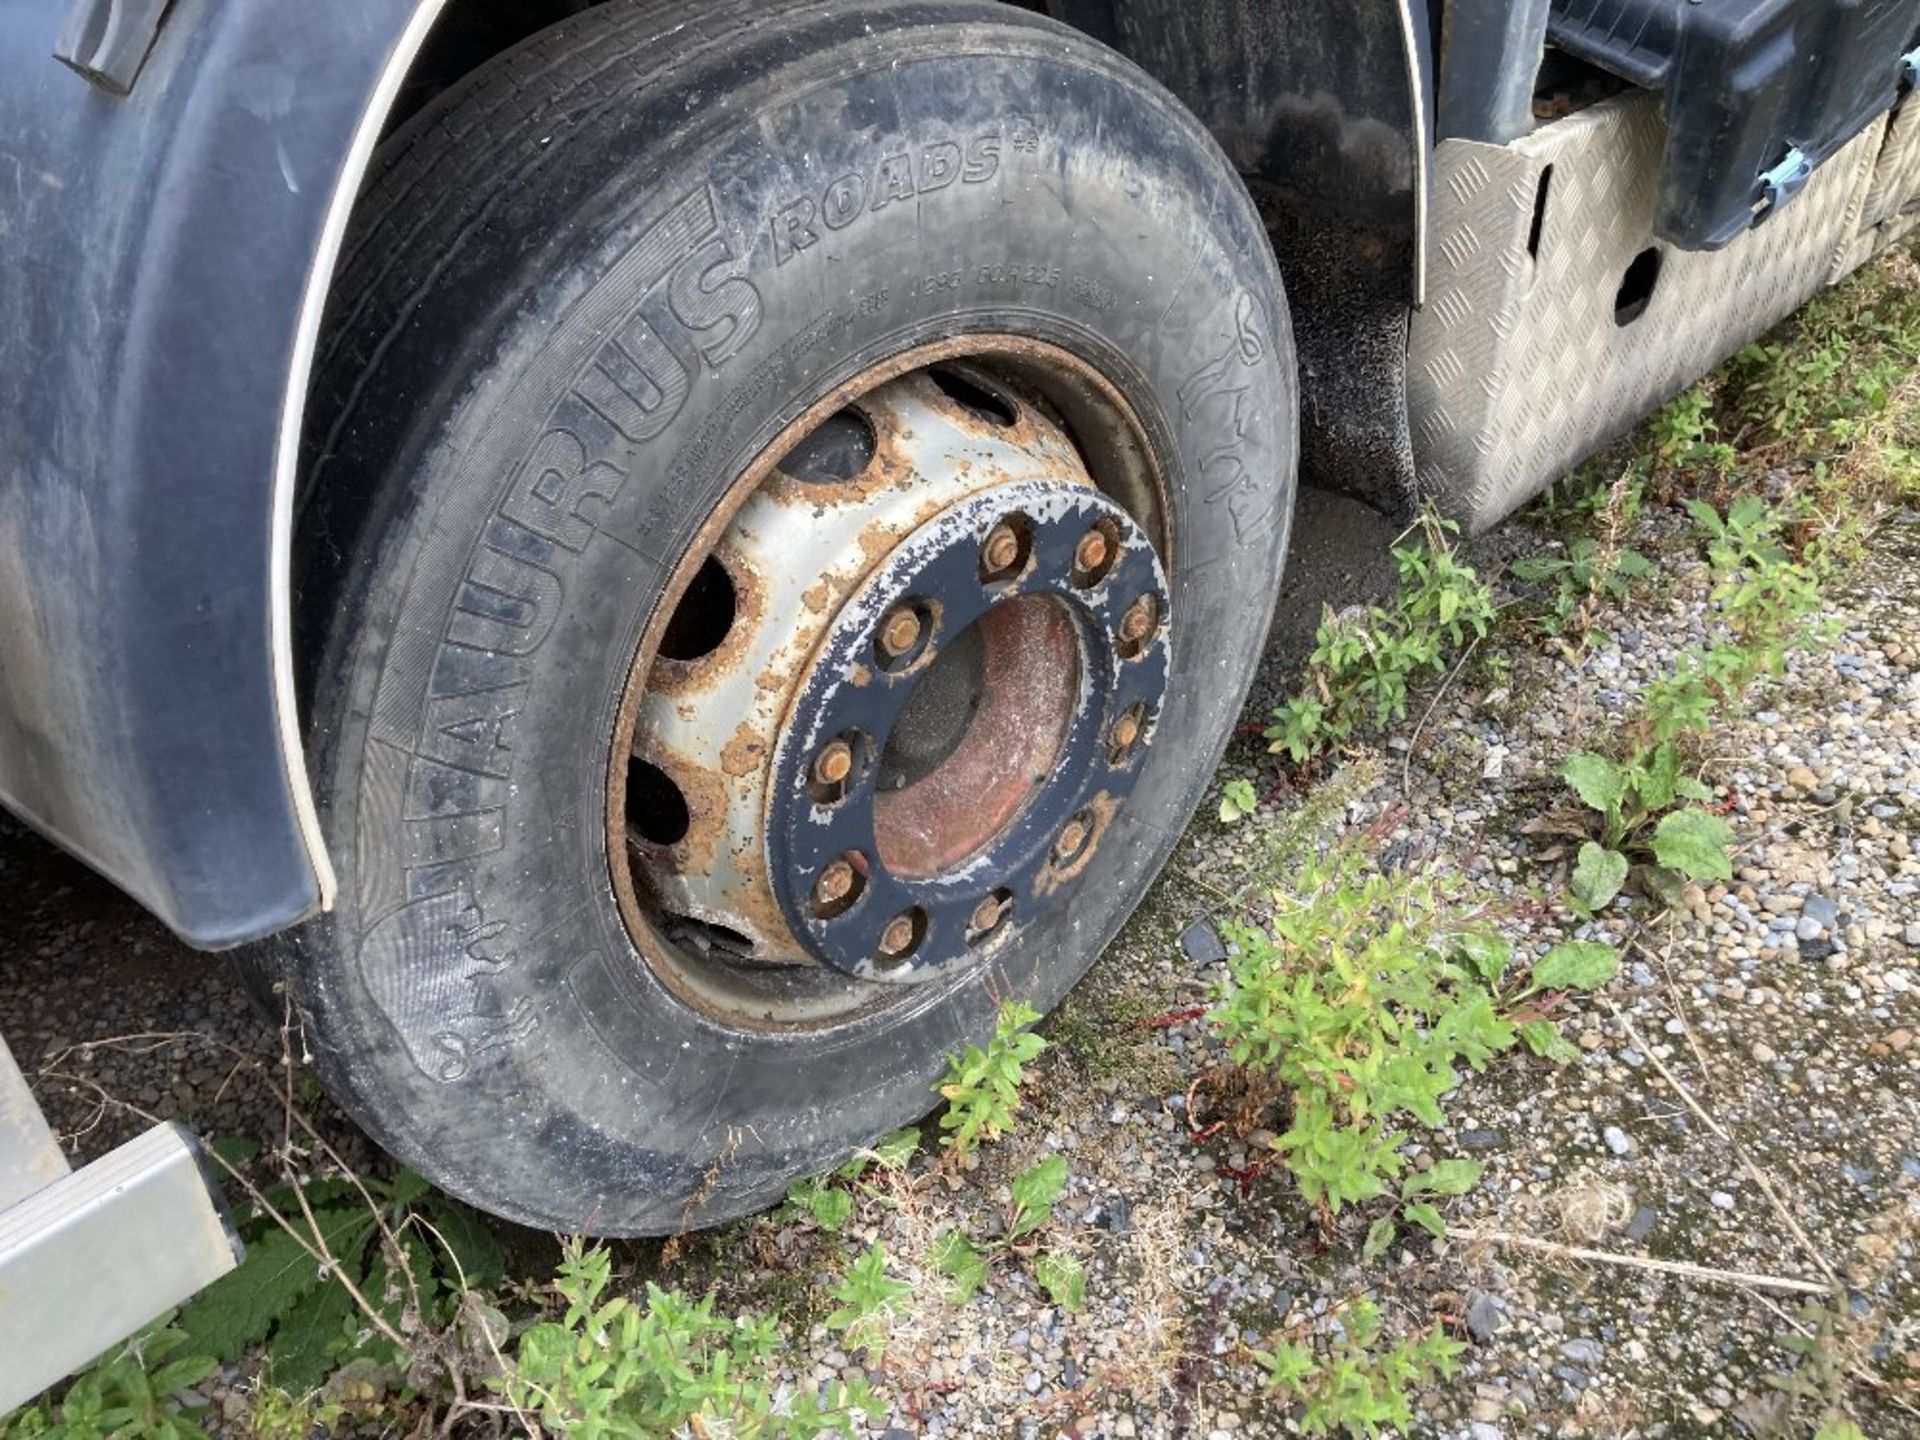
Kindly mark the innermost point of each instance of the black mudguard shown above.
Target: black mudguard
(156, 298)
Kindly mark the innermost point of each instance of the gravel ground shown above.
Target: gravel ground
(1786, 1004)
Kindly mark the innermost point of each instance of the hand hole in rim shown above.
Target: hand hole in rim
(835, 451)
(656, 809)
(973, 396)
(704, 616)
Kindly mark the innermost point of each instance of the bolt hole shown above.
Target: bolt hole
(1007, 549)
(1138, 626)
(1096, 554)
(1128, 732)
(656, 810)
(995, 910)
(973, 397)
(839, 885)
(704, 615)
(901, 938)
(821, 784)
(706, 938)
(1636, 287)
(1072, 841)
(834, 451)
(904, 635)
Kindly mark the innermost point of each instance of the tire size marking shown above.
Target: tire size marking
(430, 965)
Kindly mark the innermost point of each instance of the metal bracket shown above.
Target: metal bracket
(88, 1257)
(1782, 183)
(107, 40)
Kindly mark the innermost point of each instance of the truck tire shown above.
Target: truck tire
(795, 494)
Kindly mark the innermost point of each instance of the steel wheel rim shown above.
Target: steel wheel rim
(1059, 399)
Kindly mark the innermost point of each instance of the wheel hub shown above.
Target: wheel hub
(933, 658)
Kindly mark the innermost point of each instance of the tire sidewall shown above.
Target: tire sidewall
(483, 1008)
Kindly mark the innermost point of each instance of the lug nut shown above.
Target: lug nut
(1137, 624)
(897, 939)
(835, 883)
(987, 913)
(1000, 551)
(1091, 553)
(899, 632)
(1071, 840)
(1126, 730)
(834, 763)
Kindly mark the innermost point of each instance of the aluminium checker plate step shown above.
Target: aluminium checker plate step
(1518, 368)
(89, 1256)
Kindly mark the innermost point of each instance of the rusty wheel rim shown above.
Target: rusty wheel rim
(910, 609)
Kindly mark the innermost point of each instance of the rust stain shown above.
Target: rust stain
(816, 596)
(1100, 810)
(745, 752)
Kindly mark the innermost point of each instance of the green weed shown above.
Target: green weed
(828, 1199)
(623, 1368)
(129, 1392)
(1358, 1384)
(1362, 664)
(1764, 599)
(967, 1261)
(982, 1087)
(407, 1251)
(1361, 998)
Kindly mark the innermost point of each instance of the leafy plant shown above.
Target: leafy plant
(1362, 998)
(982, 1087)
(1032, 1195)
(827, 1199)
(1363, 663)
(1686, 435)
(1764, 599)
(867, 1295)
(409, 1252)
(1591, 572)
(1237, 801)
(129, 1392)
(1358, 1384)
(663, 1365)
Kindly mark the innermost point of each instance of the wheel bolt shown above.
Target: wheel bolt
(1000, 551)
(835, 883)
(899, 632)
(1091, 553)
(1137, 624)
(986, 914)
(1126, 730)
(1071, 840)
(834, 763)
(897, 939)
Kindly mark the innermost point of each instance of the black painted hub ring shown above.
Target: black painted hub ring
(1033, 861)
